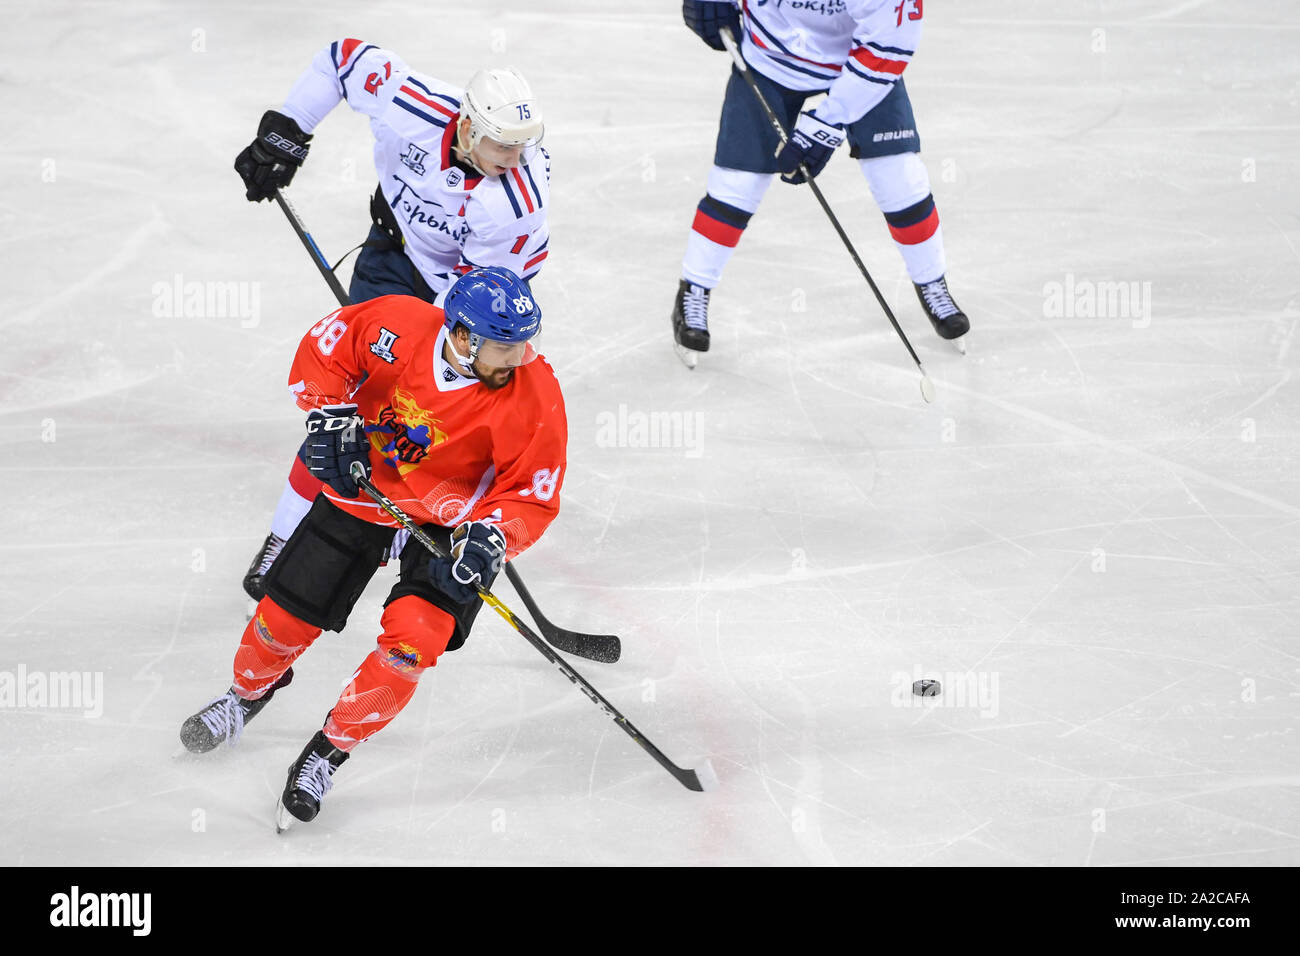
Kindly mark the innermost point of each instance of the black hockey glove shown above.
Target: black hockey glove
(336, 437)
(811, 145)
(477, 552)
(270, 161)
(708, 17)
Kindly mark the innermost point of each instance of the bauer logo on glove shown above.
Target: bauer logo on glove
(810, 146)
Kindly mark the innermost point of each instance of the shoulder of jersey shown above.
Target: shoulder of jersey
(541, 383)
(398, 325)
(423, 102)
(521, 192)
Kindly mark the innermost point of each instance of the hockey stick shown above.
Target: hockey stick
(605, 648)
(700, 779)
(927, 387)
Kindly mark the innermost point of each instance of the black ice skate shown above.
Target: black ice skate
(691, 322)
(309, 781)
(224, 718)
(255, 579)
(944, 314)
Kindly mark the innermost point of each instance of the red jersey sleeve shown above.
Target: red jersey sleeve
(524, 497)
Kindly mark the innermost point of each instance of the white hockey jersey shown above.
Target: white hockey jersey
(452, 220)
(855, 49)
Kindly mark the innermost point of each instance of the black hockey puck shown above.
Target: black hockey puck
(926, 688)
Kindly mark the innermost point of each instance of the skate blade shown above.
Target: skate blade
(283, 818)
(959, 344)
(690, 358)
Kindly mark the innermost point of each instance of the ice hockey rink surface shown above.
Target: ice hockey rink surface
(1090, 538)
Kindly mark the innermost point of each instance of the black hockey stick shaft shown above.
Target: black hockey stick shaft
(688, 778)
(604, 648)
(316, 255)
(743, 68)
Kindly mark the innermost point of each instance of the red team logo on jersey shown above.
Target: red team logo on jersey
(404, 432)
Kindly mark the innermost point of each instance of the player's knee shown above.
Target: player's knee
(415, 633)
(739, 188)
(281, 631)
(896, 181)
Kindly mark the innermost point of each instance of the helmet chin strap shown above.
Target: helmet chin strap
(464, 153)
(465, 362)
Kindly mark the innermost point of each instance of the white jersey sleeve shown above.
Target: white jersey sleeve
(853, 49)
(885, 37)
(363, 74)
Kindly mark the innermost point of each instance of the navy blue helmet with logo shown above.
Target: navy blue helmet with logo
(495, 306)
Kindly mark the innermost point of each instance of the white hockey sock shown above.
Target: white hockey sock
(901, 187)
(289, 513)
(720, 219)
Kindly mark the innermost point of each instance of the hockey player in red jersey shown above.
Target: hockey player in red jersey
(463, 182)
(457, 419)
(855, 51)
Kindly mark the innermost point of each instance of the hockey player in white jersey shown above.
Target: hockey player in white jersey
(855, 51)
(463, 183)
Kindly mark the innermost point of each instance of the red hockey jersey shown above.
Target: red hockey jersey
(445, 448)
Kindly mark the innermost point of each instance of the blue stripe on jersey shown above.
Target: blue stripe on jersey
(890, 49)
(536, 195)
(364, 50)
(510, 194)
(800, 69)
(542, 247)
(451, 100)
(867, 76)
(334, 55)
(771, 39)
(441, 124)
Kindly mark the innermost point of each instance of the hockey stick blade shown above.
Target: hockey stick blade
(603, 648)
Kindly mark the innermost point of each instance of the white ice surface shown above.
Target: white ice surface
(833, 538)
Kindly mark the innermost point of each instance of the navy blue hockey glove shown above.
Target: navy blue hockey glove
(270, 161)
(811, 145)
(708, 17)
(336, 437)
(477, 552)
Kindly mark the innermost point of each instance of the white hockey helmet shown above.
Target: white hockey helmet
(500, 106)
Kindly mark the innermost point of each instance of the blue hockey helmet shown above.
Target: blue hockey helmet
(497, 308)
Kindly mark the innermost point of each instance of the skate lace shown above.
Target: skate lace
(274, 545)
(695, 307)
(224, 717)
(314, 777)
(939, 299)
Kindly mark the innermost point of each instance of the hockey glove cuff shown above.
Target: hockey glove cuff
(477, 552)
(708, 17)
(336, 437)
(810, 145)
(270, 161)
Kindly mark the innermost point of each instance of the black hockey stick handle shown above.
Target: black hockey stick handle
(729, 41)
(316, 255)
(691, 779)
